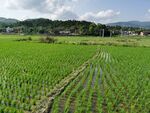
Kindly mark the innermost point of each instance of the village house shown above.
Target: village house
(129, 33)
(9, 30)
(145, 33)
(65, 32)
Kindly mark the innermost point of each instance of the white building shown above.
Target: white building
(64, 32)
(9, 30)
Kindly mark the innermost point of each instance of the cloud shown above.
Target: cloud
(44, 6)
(147, 15)
(27, 4)
(63, 13)
(101, 15)
(56, 9)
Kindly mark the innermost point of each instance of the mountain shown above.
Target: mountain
(8, 20)
(145, 25)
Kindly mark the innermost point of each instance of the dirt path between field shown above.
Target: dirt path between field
(45, 105)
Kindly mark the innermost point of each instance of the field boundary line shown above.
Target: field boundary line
(46, 104)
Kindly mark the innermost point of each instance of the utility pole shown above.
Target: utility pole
(121, 33)
(103, 33)
(110, 33)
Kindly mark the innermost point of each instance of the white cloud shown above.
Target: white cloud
(56, 9)
(147, 15)
(52, 9)
(64, 13)
(44, 6)
(101, 15)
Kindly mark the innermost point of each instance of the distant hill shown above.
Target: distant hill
(145, 25)
(8, 20)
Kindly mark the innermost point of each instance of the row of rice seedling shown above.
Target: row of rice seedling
(29, 71)
(116, 83)
(129, 77)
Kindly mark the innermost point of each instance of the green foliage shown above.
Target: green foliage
(48, 39)
(24, 39)
(30, 71)
(115, 81)
(46, 26)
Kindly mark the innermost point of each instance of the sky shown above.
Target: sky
(99, 11)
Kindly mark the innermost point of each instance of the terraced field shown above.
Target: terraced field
(112, 83)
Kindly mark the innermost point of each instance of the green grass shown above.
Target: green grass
(117, 80)
(114, 41)
(29, 71)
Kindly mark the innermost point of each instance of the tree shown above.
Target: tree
(92, 29)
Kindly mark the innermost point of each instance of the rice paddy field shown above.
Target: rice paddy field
(114, 79)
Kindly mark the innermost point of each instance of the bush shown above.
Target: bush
(84, 43)
(29, 38)
(48, 39)
(24, 39)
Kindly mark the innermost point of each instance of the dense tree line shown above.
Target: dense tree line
(46, 26)
(70, 27)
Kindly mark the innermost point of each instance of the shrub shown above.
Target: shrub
(48, 39)
(84, 43)
(29, 38)
(24, 39)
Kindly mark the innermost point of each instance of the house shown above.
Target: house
(126, 33)
(145, 33)
(133, 33)
(9, 30)
(129, 33)
(141, 33)
(65, 32)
